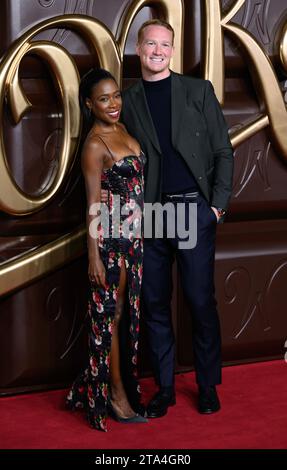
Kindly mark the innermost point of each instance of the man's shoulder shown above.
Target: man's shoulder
(190, 81)
(130, 89)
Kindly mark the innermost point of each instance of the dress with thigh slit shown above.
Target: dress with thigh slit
(122, 246)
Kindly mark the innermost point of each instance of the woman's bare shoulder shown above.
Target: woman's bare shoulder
(94, 149)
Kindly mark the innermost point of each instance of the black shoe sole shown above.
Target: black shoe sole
(208, 411)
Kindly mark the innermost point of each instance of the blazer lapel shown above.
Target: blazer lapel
(142, 109)
(178, 103)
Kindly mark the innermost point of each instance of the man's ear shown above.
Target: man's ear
(138, 49)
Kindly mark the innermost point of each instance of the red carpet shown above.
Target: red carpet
(253, 416)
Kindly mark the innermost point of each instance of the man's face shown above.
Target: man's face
(155, 51)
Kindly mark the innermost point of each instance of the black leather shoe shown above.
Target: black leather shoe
(139, 408)
(159, 404)
(208, 401)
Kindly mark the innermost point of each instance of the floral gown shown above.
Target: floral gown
(124, 182)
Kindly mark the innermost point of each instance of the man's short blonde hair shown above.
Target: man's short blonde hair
(154, 22)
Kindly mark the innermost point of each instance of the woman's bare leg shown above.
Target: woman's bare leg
(119, 398)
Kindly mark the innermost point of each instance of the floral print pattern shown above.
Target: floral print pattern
(90, 390)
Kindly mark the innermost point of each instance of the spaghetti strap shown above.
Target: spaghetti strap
(110, 152)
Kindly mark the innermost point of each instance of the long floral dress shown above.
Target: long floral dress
(124, 182)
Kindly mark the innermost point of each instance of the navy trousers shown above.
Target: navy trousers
(196, 269)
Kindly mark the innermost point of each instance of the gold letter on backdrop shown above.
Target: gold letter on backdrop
(12, 199)
(267, 85)
(110, 51)
(283, 48)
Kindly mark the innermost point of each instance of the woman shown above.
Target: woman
(112, 160)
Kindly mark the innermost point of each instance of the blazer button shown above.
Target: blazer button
(197, 134)
(199, 178)
(193, 155)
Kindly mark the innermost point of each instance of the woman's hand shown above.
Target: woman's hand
(97, 272)
(216, 213)
(104, 195)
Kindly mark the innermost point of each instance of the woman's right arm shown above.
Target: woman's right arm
(92, 166)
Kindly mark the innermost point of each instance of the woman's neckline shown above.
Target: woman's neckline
(115, 162)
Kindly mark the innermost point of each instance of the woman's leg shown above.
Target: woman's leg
(119, 398)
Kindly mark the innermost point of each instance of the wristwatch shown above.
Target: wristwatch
(221, 212)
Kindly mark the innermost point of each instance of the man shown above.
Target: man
(180, 126)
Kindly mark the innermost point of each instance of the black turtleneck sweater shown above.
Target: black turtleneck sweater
(176, 176)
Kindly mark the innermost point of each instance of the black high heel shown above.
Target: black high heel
(137, 418)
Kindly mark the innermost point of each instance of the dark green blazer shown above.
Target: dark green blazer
(199, 134)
